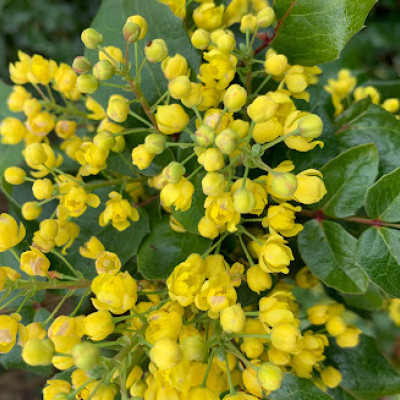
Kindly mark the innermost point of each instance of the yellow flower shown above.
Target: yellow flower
(367, 91)
(97, 110)
(141, 157)
(310, 187)
(8, 333)
(286, 337)
(331, 377)
(257, 279)
(165, 353)
(115, 293)
(171, 119)
(17, 98)
(47, 163)
(64, 344)
(98, 325)
(19, 71)
(42, 70)
(108, 262)
(114, 52)
(178, 7)
(10, 233)
(258, 191)
(92, 158)
(12, 130)
(65, 82)
(281, 219)
(178, 194)
(270, 376)
(77, 200)
(233, 319)
(54, 387)
(119, 212)
(262, 109)
(34, 262)
(305, 279)
(208, 16)
(92, 248)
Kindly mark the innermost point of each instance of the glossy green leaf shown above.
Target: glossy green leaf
(347, 178)
(329, 252)
(383, 199)
(366, 375)
(378, 253)
(164, 249)
(162, 23)
(315, 31)
(295, 388)
(371, 124)
(371, 300)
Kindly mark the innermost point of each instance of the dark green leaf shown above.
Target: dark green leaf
(371, 124)
(378, 253)
(366, 375)
(383, 199)
(347, 178)
(164, 249)
(329, 252)
(295, 388)
(315, 31)
(371, 300)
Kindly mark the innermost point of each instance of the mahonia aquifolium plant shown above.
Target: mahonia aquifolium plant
(188, 336)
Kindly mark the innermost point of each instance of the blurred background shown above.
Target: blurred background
(52, 28)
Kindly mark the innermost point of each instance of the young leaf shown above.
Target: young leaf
(329, 252)
(295, 388)
(347, 178)
(366, 375)
(378, 253)
(383, 199)
(315, 31)
(164, 249)
(372, 124)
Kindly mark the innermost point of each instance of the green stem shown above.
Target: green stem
(221, 239)
(246, 232)
(264, 82)
(228, 373)
(280, 139)
(14, 253)
(197, 170)
(210, 360)
(139, 118)
(10, 301)
(248, 256)
(51, 316)
(87, 292)
(67, 263)
(196, 111)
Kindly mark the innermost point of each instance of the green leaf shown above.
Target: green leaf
(316, 31)
(347, 178)
(366, 375)
(164, 249)
(295, 388)
(372, 124)
(371, 300)
(383, 199)
(378, 253)
(329, 251)
(10, 154)
(162, 23)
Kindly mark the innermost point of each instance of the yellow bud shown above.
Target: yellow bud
(65, 129)
(270, 376)
(14, 175)
(155, 143)
(207, 228)
(310, 126)
(243, 200)
(156, 50)
(391, 105)
(103, 70)
(17, 98)
(248, 23)
(173, 172)
(318, 314)
(193, 348)
(208, 16)
(30, 210)
(171, 119)
(195, 96)
(205, 135)
(87, 83)
(286, 337)
(141, 157)
(48, 229)
(262, 109)
(35, 154)
(258, 280)
(283, 185)
(139, 20)
(235, 98)
(98, 325)
(212, 160)
(174, 67)
(213, 184)
(91, 38)
(179, 87)
(81, 65)
(131, 32)
(105, 140)
(250, 381)
(276, 64)
(331, 377)
(200, 39)
(335, 326)
(226, 42)
(265, 17)
(227, 141)
(38, 352)
(166, 354)
(12, 130)
(233, 319)
(42, 189)
(118, 108)
(349, 338)
(86, 356)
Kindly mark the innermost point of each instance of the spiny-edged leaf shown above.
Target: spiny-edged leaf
(347, 178)
(371, 300)
(366, 375)
(162, 23)
(295, 388)
(329, 252)
(164, 249)
(10, 154)
(190, 218)
(378, 253)
(315, 31)
(372, 124)
(383, 199)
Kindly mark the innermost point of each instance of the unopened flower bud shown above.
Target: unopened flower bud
(14, 175)
(248, 23)
(331, 377)
(276, 64)
(120, 144)
(262, 109)
(103, 70)
(213, 184)
(81, 65)
(243, 200)
(38, 352)
(35, 154)
(91, 38)
(118, 108)
(173, 172)
(310, 126)
(179, 87)
(227, 141)
(283, 185)
(87, 83)
(200, 39)
(233, 319)
(105, 140)
(226, 42)
(265, 17)
(155, 143)
(30, 210)
(131, 32)
(270, 376)
(166, 354)
(86, 356)
(139, 20)
(391, 105)
(156, 50)
(42, 189)
(48, 229)
(205, 135)
(235, 98)
(193, 348)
